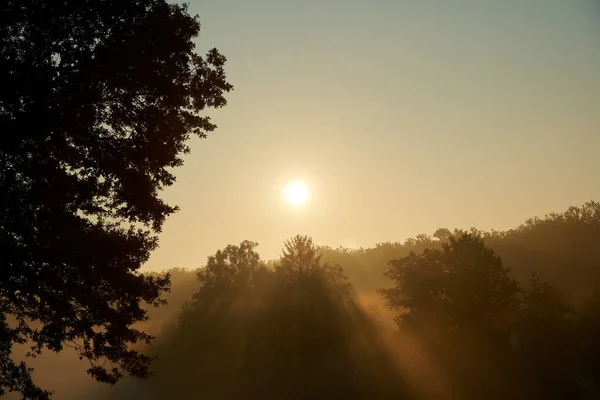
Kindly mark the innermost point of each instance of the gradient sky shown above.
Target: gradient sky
(401, 116)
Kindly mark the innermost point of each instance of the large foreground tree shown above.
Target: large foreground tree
(97, 101)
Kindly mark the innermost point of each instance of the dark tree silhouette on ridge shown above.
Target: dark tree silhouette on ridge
(293, 330)
(461, 303)
(97, 101)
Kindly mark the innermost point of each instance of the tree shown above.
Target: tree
(300, 263)
(307, 310)
(546, 342)
(97, 103)
(202, 354)
(293, 331)
(461, 283)
(589, 336)
(561, 248)
(228, 270)
(462, 303)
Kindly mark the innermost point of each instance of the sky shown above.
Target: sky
(400, 116)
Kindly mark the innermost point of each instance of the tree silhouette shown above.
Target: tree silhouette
(301, 259)
(291, 331)
(589, 336)
(546, 342)
(462, 303)
(560, 248)
(292, 327)
(98, 99)
(202, 354)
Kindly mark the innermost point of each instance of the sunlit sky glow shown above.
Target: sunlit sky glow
(403, 116)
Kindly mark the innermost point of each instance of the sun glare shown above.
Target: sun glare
(296, 193)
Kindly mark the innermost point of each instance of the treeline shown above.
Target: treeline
(475, 315)
(491, 336)
(478, 315)
(294, 330)
(561, 248)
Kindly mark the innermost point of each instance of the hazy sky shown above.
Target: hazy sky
(401, 116)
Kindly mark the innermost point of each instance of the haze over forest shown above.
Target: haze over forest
(544, 273)
(289, 200)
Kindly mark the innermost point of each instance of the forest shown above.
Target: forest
(456, 314)
(102, 102)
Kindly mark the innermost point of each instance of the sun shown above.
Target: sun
(296, 193)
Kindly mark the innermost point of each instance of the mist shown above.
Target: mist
(299, 200)
(455, 314)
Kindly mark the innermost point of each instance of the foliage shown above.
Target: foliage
(546, 343)
(290, 331)
(464, 322)
(469, 324)
(560, 248)
(98, 100)
(489, 335)
(589, 336)
(301, 259)
(481, 326)
(460, 301)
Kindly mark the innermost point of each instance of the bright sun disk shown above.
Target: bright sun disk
(296, 193)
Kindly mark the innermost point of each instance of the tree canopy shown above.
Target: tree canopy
(468, 325)
(97, 103)
(291, 330)
(482, 326)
